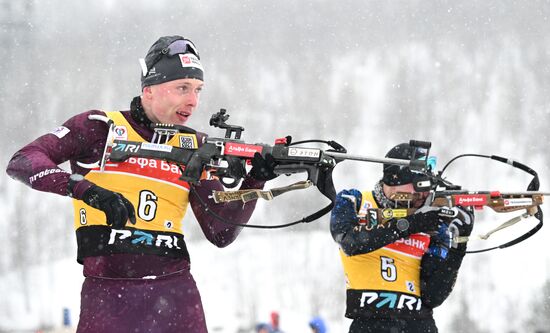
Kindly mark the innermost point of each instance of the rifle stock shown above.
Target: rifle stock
(498, 202)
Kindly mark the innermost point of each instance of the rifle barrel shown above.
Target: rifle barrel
(459, 192)
(345, 156)
(525, 193)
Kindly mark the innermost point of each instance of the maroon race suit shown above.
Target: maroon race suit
(115, 295)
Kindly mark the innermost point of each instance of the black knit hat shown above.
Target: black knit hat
(398, 174)
(171, 58)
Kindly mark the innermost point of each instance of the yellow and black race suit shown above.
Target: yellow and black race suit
(154, 189)
(389, 273)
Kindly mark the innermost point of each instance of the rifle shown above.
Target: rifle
(226, 159)
(497, 201)
(446, 195)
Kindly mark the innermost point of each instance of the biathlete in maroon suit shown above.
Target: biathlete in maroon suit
(128, 217)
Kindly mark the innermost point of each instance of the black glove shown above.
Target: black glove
(117, 208)
(262, 168)
(462, 224)
(426, 219)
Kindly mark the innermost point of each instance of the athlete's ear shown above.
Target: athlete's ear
(146, 93)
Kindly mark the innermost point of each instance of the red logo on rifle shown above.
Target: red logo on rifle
(243, 150)
(470, 200)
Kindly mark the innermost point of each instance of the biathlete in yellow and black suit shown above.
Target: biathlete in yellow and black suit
(398, 271)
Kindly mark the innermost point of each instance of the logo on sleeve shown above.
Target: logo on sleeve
(60, 132)
(121, 133)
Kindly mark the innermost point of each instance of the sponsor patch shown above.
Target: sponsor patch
(189, 60)
(120, 133)
(43, 173)
(372, 216)
(389, 213)
(518, 202)
(470, 200)
(156, 147)
(239, 149)
(304, 152)
(60, 132)
(389, 300)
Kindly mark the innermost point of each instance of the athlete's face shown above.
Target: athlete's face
(172, 102)
(406, 188)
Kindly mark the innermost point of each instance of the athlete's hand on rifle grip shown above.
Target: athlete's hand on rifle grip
(344, 214)
(117, 208)
(262, 168)
(425, 219)
(462, 224)
(346, 206)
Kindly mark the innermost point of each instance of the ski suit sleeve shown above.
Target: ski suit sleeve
(217, 232)
(37, 164)
(357, 239)
(438, 275)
